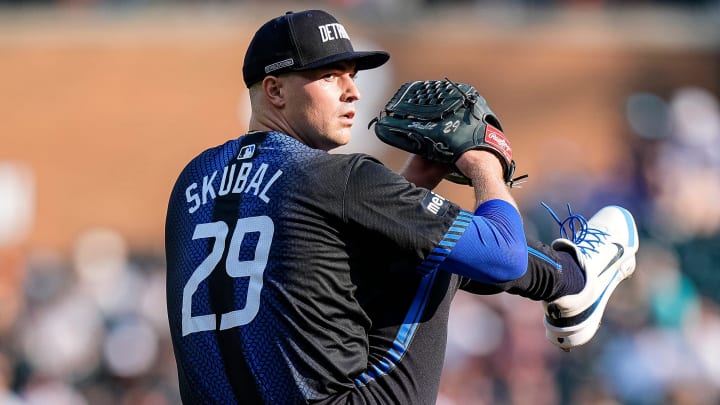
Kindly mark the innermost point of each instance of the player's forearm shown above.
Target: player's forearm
(424, 173)
(485, 171)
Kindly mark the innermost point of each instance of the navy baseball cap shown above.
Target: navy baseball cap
(301, 41)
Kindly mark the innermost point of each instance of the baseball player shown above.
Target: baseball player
(299, 276)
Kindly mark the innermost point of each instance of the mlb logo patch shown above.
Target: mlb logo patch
(246, 152)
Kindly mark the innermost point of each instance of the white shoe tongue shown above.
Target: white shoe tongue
(566, 245)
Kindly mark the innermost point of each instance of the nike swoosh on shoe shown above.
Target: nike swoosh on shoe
(618, 255)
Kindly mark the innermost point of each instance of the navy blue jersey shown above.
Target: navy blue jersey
(295, 276)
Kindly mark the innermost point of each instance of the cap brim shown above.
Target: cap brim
(363, 60)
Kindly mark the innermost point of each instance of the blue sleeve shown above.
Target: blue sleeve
(493, 249)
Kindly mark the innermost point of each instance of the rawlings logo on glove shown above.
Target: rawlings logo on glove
(497, 139)
(440, 120)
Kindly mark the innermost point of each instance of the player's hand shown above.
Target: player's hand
(425, 173)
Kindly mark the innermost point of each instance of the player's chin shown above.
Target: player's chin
(334, 139)
(343, 136)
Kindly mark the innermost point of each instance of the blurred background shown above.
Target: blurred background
(102, 103)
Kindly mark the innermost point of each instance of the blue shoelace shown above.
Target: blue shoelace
(586, 238)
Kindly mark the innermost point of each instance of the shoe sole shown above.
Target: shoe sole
(570, 337)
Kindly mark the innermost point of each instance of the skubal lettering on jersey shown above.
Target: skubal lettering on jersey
(235, 179)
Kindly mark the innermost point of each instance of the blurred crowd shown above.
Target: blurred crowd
(92, 328)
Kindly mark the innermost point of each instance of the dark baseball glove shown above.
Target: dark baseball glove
(440, 120)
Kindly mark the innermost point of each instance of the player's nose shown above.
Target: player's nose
(351, 93)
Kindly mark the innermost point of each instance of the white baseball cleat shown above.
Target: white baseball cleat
(605, 248)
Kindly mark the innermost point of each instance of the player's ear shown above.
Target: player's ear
(273, 89)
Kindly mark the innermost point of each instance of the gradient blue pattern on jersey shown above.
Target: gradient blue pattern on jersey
(200, 353)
